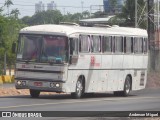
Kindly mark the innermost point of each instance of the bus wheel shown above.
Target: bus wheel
(126, 90)
(127, 86)
(79, 90)
(34, 93)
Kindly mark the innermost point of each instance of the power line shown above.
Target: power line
(46, 6)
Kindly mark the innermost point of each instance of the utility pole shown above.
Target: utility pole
(136, 22)
(82, 5)
(158, 19)
(158, 12)
(64, 10)
(90, 11)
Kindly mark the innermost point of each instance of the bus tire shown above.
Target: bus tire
(34, 93)
(79, 90)
(126, 89)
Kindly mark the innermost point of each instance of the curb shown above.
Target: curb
(1, 81)
(6, 79)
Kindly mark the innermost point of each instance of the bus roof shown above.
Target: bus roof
(69, 30)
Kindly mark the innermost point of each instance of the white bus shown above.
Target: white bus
(79, 60)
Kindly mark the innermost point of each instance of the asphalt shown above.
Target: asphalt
(143, 100)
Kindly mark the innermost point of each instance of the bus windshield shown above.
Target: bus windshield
(42, 48)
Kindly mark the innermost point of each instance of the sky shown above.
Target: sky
(27, 7)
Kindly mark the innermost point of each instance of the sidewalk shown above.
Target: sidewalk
(8, 89)
(7, 85)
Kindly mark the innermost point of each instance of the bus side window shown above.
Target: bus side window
(128, 45)
(74, 46)
(145, 45)
(107, 44)
(95, 43)
(141, 45)
(136, 45)
(73, 50)
(113, 44)
(84, 43)
(118, 44)
(124, 45)
(132, 44)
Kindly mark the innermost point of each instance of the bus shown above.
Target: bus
(79, 60)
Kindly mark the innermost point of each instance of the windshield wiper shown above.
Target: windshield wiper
(28, 60)
(51, 60)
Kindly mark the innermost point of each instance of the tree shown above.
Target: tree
(116, 20)
(1, 9)
(98, 14)
(128, 12)
(9, 29)
(76, 17)
(8, 3)
(113, 5)
(45, 17)
(127, 17)
(15, 13)
(67, 18)
(54, 17)
(85, 14)
(26, 20)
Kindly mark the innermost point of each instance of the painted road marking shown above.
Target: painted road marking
(84, 101)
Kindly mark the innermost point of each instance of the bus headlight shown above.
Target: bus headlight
(57, 85)
(19, 82)
(54, 85)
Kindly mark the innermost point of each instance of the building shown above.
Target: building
(39, 7)
(109, 9)
(51, 6)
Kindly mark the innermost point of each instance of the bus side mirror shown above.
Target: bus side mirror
(14, 47)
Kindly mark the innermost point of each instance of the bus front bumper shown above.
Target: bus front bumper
(48, 86)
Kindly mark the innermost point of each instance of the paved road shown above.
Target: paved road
(144, 100)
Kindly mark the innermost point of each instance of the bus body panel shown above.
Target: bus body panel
(137, 61)
(128, 61)
(91, 72)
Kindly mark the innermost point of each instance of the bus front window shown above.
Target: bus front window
(54, 49)
(29, 48)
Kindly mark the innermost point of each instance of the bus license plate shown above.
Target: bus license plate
(38, 84)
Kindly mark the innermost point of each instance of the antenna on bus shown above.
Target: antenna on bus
(101, 25)
(69, 23)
